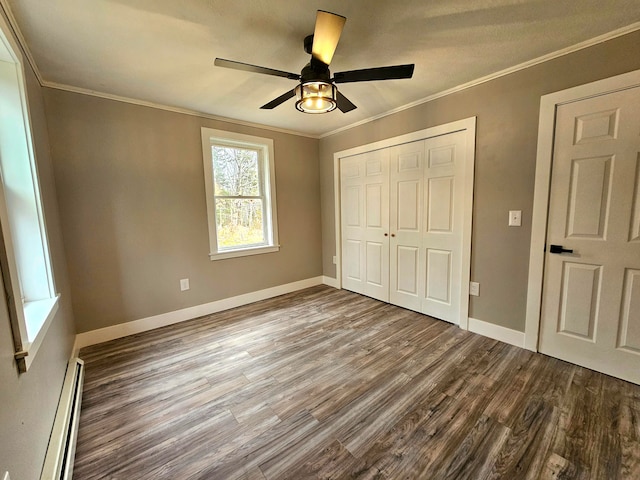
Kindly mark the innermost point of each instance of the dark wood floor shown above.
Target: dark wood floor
(325, 384)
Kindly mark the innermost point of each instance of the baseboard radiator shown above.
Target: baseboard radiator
(58, 463)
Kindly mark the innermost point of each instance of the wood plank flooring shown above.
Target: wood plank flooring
(324, 383)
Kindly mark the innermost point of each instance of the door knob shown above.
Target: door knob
(386, 234)
(559, 249)
(393, 234)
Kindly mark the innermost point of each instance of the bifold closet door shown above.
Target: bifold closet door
(442, 238)
(402, 214)
(406, 225)
(426, 200)
(365, 221)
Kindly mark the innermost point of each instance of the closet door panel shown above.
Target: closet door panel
(443, 225)
(364, 221)
(407, 268)
(405, 224)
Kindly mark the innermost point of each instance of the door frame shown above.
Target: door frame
(539, 218)
(468, 125)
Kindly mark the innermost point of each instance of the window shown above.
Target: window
(241, 200)
(24, 257)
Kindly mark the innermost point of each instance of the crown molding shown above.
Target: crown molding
(13, 24)
(507, 71)
(168, 108)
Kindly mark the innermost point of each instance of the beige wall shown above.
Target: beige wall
(507, 112)
(28, 401)
(130, 185)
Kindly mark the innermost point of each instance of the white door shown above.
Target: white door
(365, 222)
(402, 220)
(405, 224)
(444, 182)
(591, 296)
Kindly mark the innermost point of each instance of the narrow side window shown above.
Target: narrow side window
(24, 256)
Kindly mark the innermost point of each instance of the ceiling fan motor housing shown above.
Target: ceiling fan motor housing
(315, 72)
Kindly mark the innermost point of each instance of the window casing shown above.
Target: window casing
(240, 187)
(24, 256)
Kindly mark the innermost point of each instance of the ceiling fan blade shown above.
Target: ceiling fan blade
(380, 73)
(326, 35)
(281, 99)
(344, 104)
(221, 62)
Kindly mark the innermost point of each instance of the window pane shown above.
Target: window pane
(236, 171)
(239, 222)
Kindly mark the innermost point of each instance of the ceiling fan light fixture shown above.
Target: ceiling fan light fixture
(316, 97)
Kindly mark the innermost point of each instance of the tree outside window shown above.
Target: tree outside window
(239, 199)
(240, 186)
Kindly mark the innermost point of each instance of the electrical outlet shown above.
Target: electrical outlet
(515, 218)
(474, 289)
(184, 284)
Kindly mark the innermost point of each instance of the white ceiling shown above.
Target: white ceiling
(162, 51)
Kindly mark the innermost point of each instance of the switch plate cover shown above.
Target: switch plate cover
(474, 289)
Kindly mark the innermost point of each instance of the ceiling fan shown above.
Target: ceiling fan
(317, 91)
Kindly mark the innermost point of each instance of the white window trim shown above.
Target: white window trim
(25, 316)
(265, 145)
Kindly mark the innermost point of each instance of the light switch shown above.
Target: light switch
(515, 218)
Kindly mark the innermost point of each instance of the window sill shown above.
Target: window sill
(38, 316)
(244, 252)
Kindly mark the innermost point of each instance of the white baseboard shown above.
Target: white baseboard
(145, 324)
(330, 281)
(503, 334)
